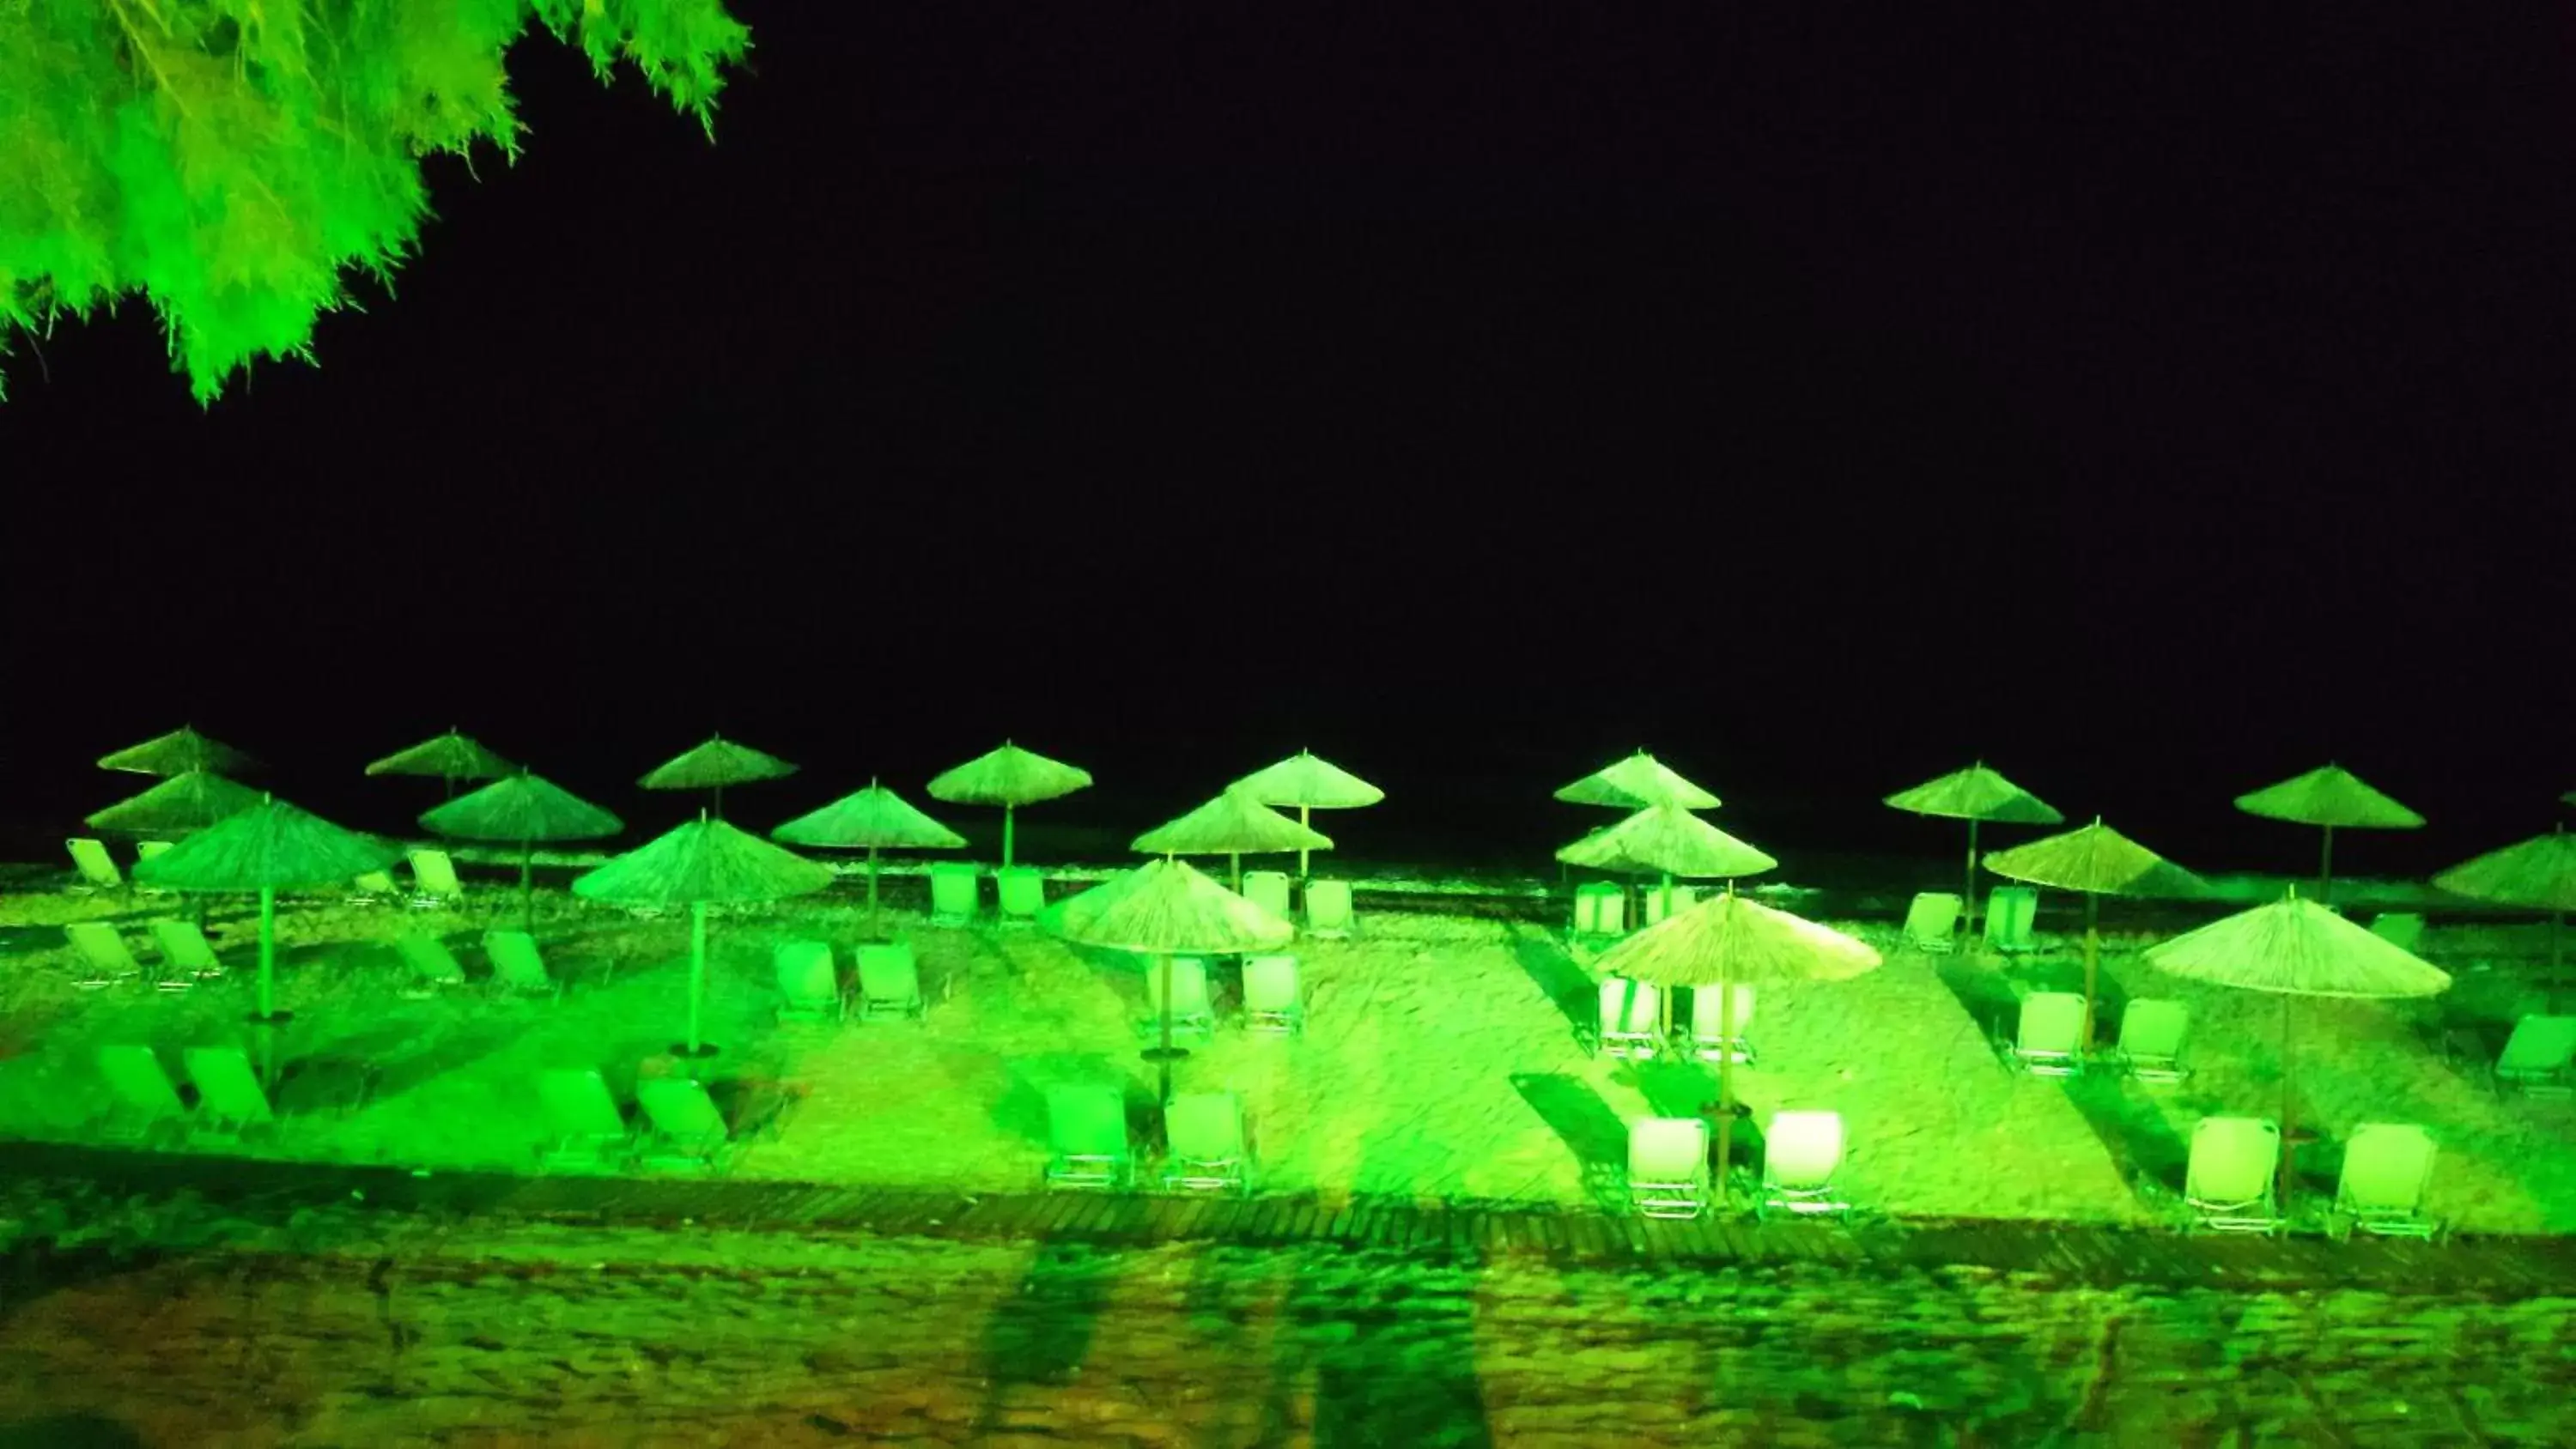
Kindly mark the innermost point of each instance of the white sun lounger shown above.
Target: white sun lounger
(1801, 1151)
(229, 1096)
(1087, 1137)
(584, 1128)
(97, 869)
(1930, 921)
(2050, 1040)
(434, 873)
(1708, 1040)
(517, 965)
(431, 964)
(956, 893)
(1191, 1010)
(1267, 889)
(1204, 1135)
(2402, 929)
(2152, 1031)
(890, 981)
(1631, 1019)
(184, 949)
(1668, 1166)
(1600, 909)
(809, 983)
(1019, 893)
(2228, 1185)
(2538, 1056)
(1270, 997)
(1328, 909)
(145, 1100)
(2386, 1168)
(2010, 914)
(684, 1129)
(104, 952)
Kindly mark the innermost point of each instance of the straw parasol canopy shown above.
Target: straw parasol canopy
(181, 804)
(2097, 861)
(1728, 939)
(696, 864)
(523, 810)
(177, 753)
(1669, 841)
(1233, 825)
(1009, 777)
(1310, 783)
(2539, 872)
(268, 847)
(2328, 797)
(713, 765)
(872, 819)
(1976, 795)
(450, 757)
(1634, 783)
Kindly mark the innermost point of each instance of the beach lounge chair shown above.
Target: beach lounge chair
(1707, 1025)
(1019, 893)
(1267, 889)
(1087, 1138)
(956, 893)
(1800, 1154)
(434, 876)
(1631, 1019)
(1600, 909)
(2050, 1039)
(890, 981)
(2402, 929)
(809, 983)
(1650, 903)
(229, 1096)
(2536, 1057)
(1271, 1000)
(432, 965)
(185, 950)
(1205, 1141)
(145, 1101)
(1930, 920)
(584, 1129)
(2010, 914)
(104, 952)
(684, 1129)
(1328, 909)
(2229, 1182)
(372, 888)
(1668, 1166)
(145, 850)
(97, 870)
(1191, 1010)
(2386, 1167)
(517, 965)
(2151, 1037)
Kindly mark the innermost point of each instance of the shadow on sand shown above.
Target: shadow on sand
(1566, 985)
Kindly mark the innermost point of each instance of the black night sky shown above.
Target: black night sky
(2155, 407)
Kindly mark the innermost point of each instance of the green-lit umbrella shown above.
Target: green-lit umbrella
(267, 848)
(1233, 825)
(1009, 777)
(1724, 940)
(2296, 948)
(1669, 841)
(2329, 796)
(1634, 783)
(522, 810)
(451, 757)
(1976, 795)
(2568, 799)
(177, 806)
(176, 753)
(713, 765)
(693, 865)
(875, 818)
(2539, 873)
(1310, 783)
(2097, 861)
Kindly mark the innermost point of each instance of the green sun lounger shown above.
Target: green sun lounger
(144, 1102)
(433, 875)
(2050, 1039)
(95, 867)
(1271, 1001)
(2011, 912)
(1631, 1019)
(956, 893)
(1019, 893)
(2228, 1185)
(2402, 929)
(1191, 1010)
(2538, 1056)
(584, 1129)
(1087, 1138)
(684, 1129)
(103, 952)
(374, 887)
(1328, 909)
(185, 949)
(890, 982)
(2386, 1168)
(2152, 1031)
(230, 1099)
(1206, 1152)
(1708, 1036)
(809, 982)
(1930, 921)
(1668, 1166)
(1600, 909)
(1650, 903)
(1267, 889)
(432, 965)
(145, 850)
(1801, 1152)
(517, 966)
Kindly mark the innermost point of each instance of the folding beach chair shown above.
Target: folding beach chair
(1270, 997)
(1019, 893)
(2386, 1167)
(1087, 1138)
(1191, 1010)
(1930, 920)
(2151, 1037)
(1204, 1132)
(809, 983)
(1668, 1166)
(145, 850)
(2536, 1057)
(1267, 889)
(1631, 1019)
(1800, 1153)
(434, 874)
(684, 1129)
(890, 981)
(2229, 1182)
(2010, 914)
(104, 952)
(1650, 908)
(185, 950)
(1708, 1040)
(2402, 929)
(432, 965)
(956, 893)
(145, 1101)
(517, 966)
(229, 1096)
(2050, 1040)
(373, 888)
(1600, 909)
(97, 870)
(584, 1129)
(1328, 909)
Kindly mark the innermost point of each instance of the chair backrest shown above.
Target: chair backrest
(1019, 890)
(429, 958)
(1932, 916)
(1651, 909)
(1667, 1149)
(1189, 985)
(134, 1074)
(1267, 889)
(515, 959)
(91, 859)
(2539, 1045)
(1600, 909)
(889, 972)
(2386, 1167)
(1802, 1149)
(102, 947)
(1708, 1020)
(2052, 1023)
(146, 849)
(2404, 929)
(1204, 1126)
(2010, 912)
(435, 873)
(578, 1104)
(1269, 983)
(226, 1086)
(679, 1107)
(375, 883)
(2153, 1027)
(2232, 1160)
(956, 888)
(1628, 1006)
(805, 971)
(1328, 905)
(184, 946)
(1087, 1120)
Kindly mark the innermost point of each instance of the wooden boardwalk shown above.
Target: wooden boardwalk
(265, 1189)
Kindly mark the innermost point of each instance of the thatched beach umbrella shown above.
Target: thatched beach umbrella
(1634, 783)
(451, 757)
(522, 810)
(703, 862)
(2329, 796)
(2539, 873)
(1976, 795)
(875, 819)
(2297, 948)
(2096, 861)
(1310, 783)
(269, 847)
(712, 766)
(176, 753)
(1233, 825)
(1165, 908)
(1669, 841)
(177, 806)
(1009, 777)
(1728, 939)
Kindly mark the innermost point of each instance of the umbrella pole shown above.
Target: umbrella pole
(1968, 886)
(2325, 870)
(267, 954)
(872, 890)
(697, 971)
(1163, 1056)
(2092, 961)
(2557, 927)
(2289, 1150)
(528, 886)
(1305, 818)
(1007, 822)
(1725, 1082)
(1234, 864)
(1668, 896)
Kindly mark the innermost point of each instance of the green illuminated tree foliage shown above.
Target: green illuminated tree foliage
(232, 160)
